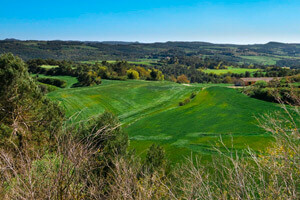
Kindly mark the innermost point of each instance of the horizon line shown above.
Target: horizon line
(143, 42)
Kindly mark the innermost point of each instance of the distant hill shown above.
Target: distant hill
(272, 53)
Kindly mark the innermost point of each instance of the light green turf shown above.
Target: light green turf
(49, 66)
(229, 69)
(150, 114)
(265, 60)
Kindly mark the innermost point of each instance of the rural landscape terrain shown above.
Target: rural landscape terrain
(162, 110)
(150, 100)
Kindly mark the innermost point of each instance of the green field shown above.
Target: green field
(49, 66)
(229, 69)
(150, 113)
(265, 60)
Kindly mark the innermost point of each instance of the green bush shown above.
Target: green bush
(184, 102)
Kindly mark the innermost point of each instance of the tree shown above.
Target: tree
(182, 79)
(132, 74)
(143, 72)
(28, 118)
(247, 74)
(89, 78)
(261, 84)
(156, 75)
(227, 79)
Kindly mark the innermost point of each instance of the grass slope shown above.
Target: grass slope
(215, 112)
(150, 114)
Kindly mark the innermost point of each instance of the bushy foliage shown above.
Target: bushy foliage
(28, 118)
(89, 78)
(156, 75)
(155, 159)
(132, 74)
(184, 102)
(182, 79)
(273, 91)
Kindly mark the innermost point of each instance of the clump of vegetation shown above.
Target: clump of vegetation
(28, 119)
(132, 74)
(156, 75)
(88, 79)
(53, 81)
(193, 95)
(273, 91)
(182, 79)
(187, 100)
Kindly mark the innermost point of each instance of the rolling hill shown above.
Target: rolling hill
(150, 113)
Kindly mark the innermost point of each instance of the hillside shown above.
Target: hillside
(150, 114)
(267, 54)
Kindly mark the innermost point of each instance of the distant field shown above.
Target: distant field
(265, 60)
(49, 66)
(150, 114)
(230, 69)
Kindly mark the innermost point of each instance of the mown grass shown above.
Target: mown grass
(150, 113)
(229, 69)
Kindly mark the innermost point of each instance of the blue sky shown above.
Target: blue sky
(218, 21)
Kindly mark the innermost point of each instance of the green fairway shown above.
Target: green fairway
(150, 114)
(229, 69)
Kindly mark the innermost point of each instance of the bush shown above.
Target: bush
(182, 79)
(184, 102)
(193, 95)
(132, 74)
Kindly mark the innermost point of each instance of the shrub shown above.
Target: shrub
(182, 79)
(193, 95)
(184, 102)
(261, 84)
(132, 74)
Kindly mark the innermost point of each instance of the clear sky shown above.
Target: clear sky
(218, 21)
